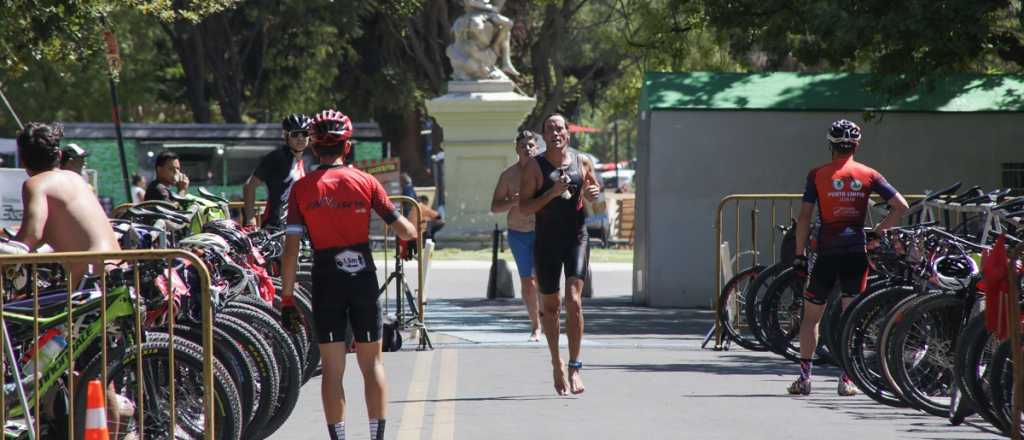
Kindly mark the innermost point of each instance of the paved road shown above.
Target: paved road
(646, 377)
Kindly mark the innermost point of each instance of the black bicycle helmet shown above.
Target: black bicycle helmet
(295, 121)
(844, 135)
(227, 230)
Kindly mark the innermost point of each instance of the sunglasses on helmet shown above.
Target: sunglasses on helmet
(298, 133)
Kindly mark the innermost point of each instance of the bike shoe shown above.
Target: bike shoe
(800, 386)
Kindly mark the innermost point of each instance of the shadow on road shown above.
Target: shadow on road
(729, 364)
(603, 316)
(486, 399)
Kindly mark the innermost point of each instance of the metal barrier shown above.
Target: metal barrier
(772, 202)
(121, 305)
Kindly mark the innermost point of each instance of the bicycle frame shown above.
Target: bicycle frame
(120, 306)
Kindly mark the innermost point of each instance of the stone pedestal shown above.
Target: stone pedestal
(480, 119)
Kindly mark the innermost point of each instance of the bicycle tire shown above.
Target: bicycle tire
(304, 302)
(755, 296)
(977, 345)
(892, 318)
(781, 339)
(298, 339)
(731, 303)
(238, 364)
(1001, 378)
(939, 316)
(859, 346)
(228, 407)
(266, 369)
(287, 359)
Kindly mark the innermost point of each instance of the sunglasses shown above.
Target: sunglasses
(298, 134)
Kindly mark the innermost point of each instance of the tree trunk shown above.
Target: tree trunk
(189, 46)
(225, 67)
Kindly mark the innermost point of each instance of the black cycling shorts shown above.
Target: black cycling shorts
(552, 255)
(851, 270)
(340, 299)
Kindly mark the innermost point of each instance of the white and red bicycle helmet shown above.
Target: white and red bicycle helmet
(331, 133)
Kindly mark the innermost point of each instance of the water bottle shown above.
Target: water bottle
(565, 179)
(50, 345)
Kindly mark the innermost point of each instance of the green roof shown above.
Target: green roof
(824, 92)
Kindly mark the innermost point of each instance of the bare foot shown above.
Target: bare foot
(576, 381)
(535, 335)
(561, 387)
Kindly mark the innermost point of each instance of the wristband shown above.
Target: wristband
(287, 301)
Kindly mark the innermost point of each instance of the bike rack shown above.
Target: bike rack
(772, 200)
(9, 264)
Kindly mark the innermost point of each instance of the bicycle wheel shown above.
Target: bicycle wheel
(304, 302)
(299, 339)
(731, 304)
(755, 297)
(926, 337)
(781, 316)
(1001, 377)
(122, 378)
(238, 364)
(859, 345)
(977, 345)
(267, 373)
(892, 317)
(287, 360)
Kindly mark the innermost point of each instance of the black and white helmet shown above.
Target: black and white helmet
(844, 134)
(295, 122)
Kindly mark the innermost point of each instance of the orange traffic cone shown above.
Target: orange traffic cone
(95, 413)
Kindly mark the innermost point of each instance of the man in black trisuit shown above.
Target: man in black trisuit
(279, 170)
(553, 187)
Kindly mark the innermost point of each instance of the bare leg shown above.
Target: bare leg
(376, 381)
(332, 390)
(574, 328)
(552, 311)
(809, 329)
(530, 297)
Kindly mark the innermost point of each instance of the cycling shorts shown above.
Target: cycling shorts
(552, 255)
(850, 270)
(343, 298)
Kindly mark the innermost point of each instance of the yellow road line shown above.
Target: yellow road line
(444, 413)
(412, 415)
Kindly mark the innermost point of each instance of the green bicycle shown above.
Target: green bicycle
(141, 403)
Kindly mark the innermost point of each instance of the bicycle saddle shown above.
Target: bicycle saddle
(209, 195)
(943, 192)
(1011, 205)
(49, 303)
(179, 198)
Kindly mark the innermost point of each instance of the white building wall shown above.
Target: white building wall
(694, 158)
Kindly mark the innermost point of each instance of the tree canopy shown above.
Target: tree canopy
(257, 60)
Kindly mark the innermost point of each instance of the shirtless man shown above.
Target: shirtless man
(553, 187)
(520, 226)
(59, 208)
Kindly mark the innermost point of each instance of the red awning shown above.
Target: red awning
(576, 128)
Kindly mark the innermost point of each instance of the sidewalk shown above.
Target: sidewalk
(645, 374)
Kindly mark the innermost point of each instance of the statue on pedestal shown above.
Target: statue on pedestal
(481, 49)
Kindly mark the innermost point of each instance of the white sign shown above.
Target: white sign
(11, 180)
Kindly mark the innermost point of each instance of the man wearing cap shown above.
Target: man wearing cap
(72, 158)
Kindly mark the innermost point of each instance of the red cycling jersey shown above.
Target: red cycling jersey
(841, 189)
(333, 205)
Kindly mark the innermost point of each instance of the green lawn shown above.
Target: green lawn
(596, 255)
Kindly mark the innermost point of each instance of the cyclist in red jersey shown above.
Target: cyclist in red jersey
(841, 189)
(332, 205)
